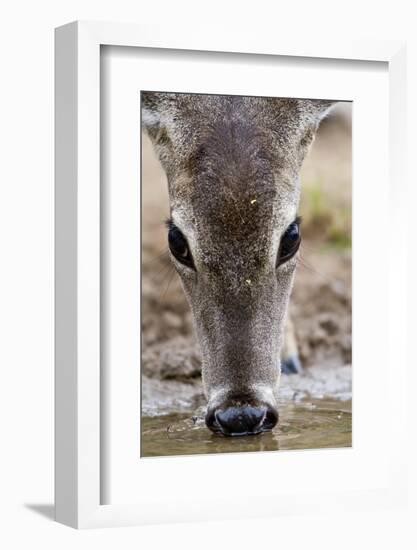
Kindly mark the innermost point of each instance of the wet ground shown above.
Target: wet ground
(315, 412)
(313, 424)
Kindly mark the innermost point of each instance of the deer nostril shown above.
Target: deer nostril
(271, 419)
(211, 421)
(243, 420)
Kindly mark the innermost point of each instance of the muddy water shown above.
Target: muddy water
(315, 412)
(311, 425)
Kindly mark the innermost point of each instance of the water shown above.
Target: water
(315, 424)
(315, 413)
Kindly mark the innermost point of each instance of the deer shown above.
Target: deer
(233, 171)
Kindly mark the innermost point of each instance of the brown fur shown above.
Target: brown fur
(233, 174)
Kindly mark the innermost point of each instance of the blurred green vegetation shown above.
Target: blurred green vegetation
(326, 217)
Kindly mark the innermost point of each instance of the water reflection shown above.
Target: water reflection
(312, 424)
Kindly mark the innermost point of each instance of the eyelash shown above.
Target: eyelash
(178, 245)
(289, 243)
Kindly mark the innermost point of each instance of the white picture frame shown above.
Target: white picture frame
(78, 405)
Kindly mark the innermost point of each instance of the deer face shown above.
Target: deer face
(233, 174)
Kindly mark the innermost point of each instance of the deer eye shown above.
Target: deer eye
(290, 242)
(179, 246)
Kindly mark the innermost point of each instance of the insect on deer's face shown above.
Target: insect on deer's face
(233, 174)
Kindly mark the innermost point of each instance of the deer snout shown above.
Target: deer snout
(243, 419)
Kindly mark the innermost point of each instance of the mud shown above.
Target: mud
(163, 397)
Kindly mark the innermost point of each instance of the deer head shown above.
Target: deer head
(233, 169)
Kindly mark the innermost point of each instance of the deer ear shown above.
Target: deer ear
(318, 109)
(151, 112)
(312, 112)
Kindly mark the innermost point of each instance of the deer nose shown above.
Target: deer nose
(243, 420)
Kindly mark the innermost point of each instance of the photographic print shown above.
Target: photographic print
(245, 274)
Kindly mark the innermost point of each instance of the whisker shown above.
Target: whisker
(309, 248)
(155, 259)
(169, 282)
(165, 271)
(304, 263)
